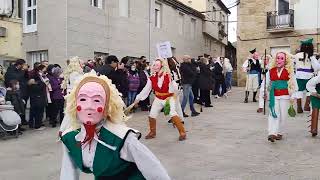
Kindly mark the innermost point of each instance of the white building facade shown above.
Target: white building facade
(55, 31)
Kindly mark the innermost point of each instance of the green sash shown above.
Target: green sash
(276, 85)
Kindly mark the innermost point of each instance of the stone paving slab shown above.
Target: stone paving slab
(226, 142)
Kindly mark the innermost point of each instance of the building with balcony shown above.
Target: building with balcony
(10, 31)
(215, 26)
(54, 30)
(275, 25)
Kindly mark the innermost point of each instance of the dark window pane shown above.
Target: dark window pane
(20, 10)
(34, 2)
(283, 7)
(95, 3)
(34, 16)
(29, 17)
(29, 3)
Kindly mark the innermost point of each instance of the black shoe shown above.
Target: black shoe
(254, 100)
(246, 101)
(185, 115)
(21, 129)
(53, 125)
(170, 121)
(193, 114)
(24, 123)
(208, 105)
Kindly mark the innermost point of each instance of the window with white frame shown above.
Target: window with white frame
(193, 28)
(97, 3)
(30, 16)
(124, 8)
(157, 15)
(38, 56)
(181, 23)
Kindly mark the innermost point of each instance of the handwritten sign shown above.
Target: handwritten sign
(164, 49)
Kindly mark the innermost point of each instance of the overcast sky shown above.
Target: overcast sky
(233, 17)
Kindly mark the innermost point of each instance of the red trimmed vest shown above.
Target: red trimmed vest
(163, 91)
(284, 77)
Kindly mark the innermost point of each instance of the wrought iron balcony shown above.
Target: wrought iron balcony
(280, 21)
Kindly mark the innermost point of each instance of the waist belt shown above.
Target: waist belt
(305, 70)
(253, 72)
(163, 96)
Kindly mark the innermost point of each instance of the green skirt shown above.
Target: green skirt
(302, 83)
(315, 102)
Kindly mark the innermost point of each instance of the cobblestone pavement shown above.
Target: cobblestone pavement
(226, 142)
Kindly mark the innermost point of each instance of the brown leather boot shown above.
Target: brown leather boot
(153, 129)
(299, 106)
(307, 104)
(272, 138)
(260, 110)
(177, 121)
(314, 122)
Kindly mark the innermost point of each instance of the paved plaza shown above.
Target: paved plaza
(226, 142)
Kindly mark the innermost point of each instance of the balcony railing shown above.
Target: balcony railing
(280, 20)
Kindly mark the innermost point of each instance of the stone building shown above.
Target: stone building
(275, 25)
(10, 31)
(56, 30)
(215, 25)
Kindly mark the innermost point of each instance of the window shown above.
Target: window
(214, 13)
(223, 18)
(193, 28)
(157, 15)
(30, 16)
(282, 6)
(20, 9)
(180, 23)
(97, 3)
(37, 56)
(124, 8)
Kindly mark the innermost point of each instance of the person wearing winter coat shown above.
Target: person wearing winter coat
(37, 89)
(205, 82)
(56, 95)
(219, 89)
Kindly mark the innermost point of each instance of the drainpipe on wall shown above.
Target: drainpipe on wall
(150, 26)
(66, 30)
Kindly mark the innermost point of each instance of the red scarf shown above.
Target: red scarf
(90, 130)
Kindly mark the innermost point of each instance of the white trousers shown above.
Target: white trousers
(252, 83)
(158, 104)
(275, 125)
(261, 95)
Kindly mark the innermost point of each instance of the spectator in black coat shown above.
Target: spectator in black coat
(205, 82)
(108, 69)
(120, 78)
(18, 72)
(38, 98)
(220, 88)
(143, 75)
(188, 75)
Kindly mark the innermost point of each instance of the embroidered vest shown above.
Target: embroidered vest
(107, 163)
(163, 91)
(283, 77)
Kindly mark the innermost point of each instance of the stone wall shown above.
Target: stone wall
(252, 33)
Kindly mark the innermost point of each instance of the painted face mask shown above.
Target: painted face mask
(91, 100)
(281, 60)
(157, 66)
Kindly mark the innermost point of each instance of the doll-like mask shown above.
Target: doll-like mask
(280, 60)
(157, 66)
(91, 100)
